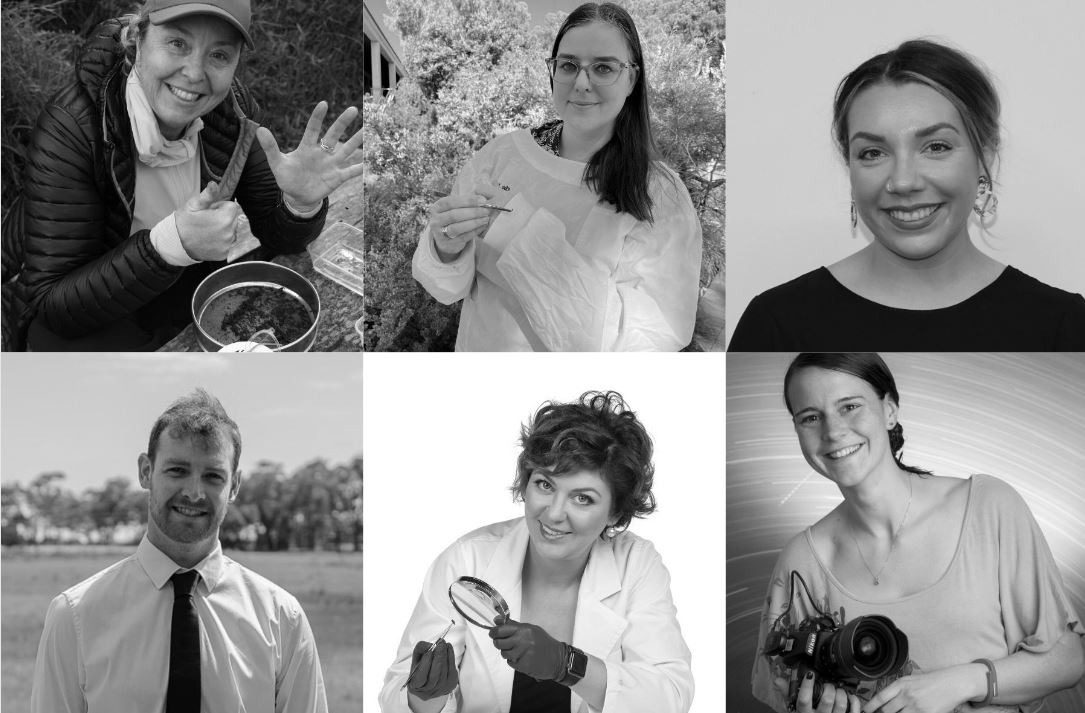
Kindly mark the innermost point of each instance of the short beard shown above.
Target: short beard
(160, 514)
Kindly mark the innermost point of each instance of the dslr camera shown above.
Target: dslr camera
(865, 649)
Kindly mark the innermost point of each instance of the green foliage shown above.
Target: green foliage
(474, 70)
(443, 37)
(319, 506)
(305, 52)
(32, 62)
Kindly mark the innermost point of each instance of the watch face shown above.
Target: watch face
(578, 664)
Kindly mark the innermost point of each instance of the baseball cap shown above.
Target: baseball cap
(237, 12)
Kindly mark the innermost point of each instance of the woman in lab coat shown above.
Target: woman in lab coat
(592, 626)
(571, 236)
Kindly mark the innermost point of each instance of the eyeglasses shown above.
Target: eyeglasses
(601, 74)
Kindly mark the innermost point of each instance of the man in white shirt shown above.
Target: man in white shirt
(221, 638)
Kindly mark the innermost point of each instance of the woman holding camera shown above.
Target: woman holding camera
(592, 625)
(960, 566)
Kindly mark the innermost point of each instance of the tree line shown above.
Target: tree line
(318, 507)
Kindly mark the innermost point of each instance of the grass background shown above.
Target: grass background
(305, 51)
(328, 585)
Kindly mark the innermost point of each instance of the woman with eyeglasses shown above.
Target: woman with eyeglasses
(571, 236)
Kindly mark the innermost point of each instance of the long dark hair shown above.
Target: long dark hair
(620, 171)
(871, 369)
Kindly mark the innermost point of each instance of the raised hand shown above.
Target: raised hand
(319, 165)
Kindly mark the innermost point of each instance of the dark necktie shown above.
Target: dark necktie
(183, 691)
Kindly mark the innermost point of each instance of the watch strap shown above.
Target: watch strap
(576, 665)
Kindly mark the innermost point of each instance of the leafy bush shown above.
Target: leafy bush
(477, 71)
(305, 51)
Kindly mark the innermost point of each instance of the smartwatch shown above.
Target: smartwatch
(576, 665)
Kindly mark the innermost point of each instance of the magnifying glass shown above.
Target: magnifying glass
(477, 601)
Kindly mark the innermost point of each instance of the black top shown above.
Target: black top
(531, 696)
(815, 312)
(548, 135)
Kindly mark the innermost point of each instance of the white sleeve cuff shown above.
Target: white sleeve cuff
(167, 241)
(298, 212)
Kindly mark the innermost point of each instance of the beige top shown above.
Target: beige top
(1001, 593)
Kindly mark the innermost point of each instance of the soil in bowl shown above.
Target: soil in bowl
(237, 314)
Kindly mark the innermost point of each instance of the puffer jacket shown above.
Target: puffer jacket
(82, 269)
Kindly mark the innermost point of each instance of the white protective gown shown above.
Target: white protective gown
(562, 271)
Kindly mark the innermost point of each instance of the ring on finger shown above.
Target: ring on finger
(444, 232)
(325, 147)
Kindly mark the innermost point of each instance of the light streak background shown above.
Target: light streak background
(1020, 417)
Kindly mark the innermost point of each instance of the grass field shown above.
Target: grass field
(328, 585)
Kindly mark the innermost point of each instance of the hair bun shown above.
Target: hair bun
(896, 438)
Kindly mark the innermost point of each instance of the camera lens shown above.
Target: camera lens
(866, 648)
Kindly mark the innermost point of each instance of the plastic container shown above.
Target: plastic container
(337, 254)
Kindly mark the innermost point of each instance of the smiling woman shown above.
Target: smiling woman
(918, 128)
(133, 172)
(591, 625)
(571, 236)
(959, 565)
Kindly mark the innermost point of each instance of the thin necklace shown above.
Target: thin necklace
(892, 540)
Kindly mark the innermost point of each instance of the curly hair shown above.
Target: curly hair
(198, 415)
(598, 433)
(872, 369)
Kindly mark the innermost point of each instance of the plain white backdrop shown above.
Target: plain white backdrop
(787, 187)
(440, 444)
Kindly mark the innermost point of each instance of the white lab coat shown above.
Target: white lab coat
(562, 271)
(624, 616)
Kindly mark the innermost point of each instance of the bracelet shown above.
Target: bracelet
(992, 682)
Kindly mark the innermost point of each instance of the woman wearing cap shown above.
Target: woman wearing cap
(132, 168)
(593, 245)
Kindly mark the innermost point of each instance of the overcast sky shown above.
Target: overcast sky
(90, 415)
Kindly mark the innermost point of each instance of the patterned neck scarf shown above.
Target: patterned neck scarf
(155, 149)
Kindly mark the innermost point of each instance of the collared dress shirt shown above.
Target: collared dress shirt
(106, 643)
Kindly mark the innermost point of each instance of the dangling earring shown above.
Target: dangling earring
(986, 204)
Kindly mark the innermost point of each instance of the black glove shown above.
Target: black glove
(434, 671)
(530, 650)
